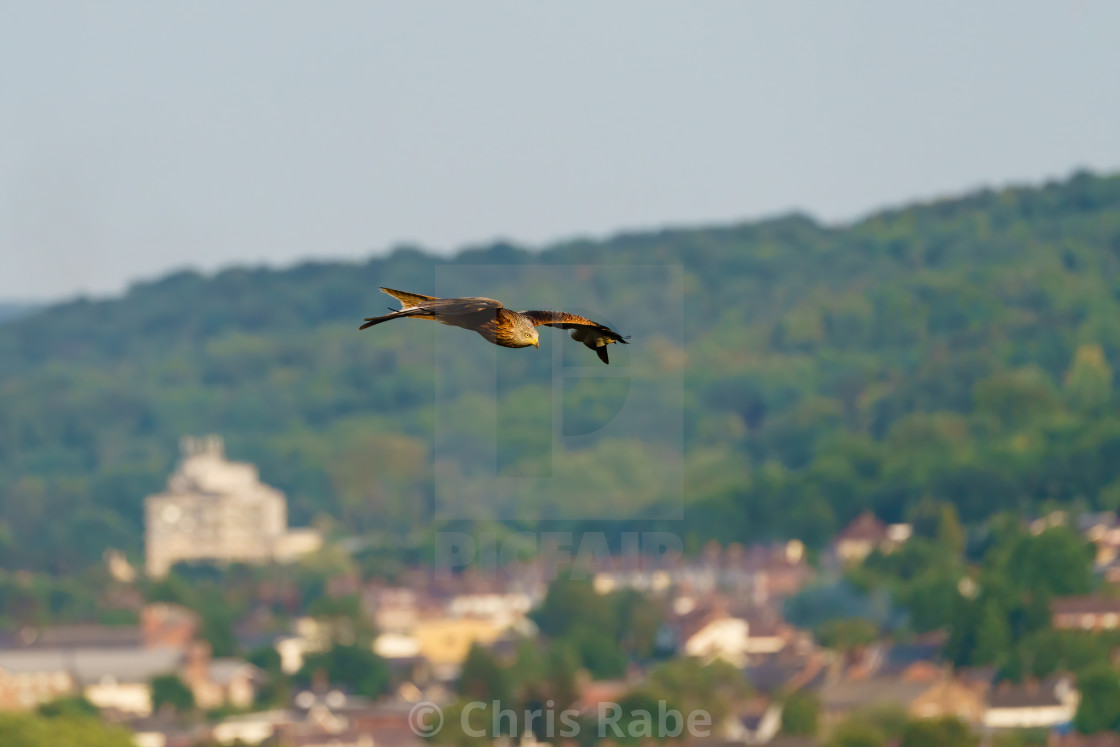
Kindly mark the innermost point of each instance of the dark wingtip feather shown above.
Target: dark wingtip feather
(602, 353)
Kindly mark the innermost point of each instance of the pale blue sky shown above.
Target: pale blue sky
(140, 137)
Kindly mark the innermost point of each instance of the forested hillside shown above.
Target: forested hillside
(10, 310)
(960, 349)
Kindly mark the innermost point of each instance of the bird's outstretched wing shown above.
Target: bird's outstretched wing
(417, 306)
(592, 334)
(408, 299)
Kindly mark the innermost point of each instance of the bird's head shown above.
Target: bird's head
(524, 333)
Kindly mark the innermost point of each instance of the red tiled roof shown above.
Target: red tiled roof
(866, 526)
(1087, 605)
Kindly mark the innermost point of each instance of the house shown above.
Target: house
(164, 730)
(445, 641)
(1085, 613)
(1101, 527)
(721, 637)
(218, 682)
(778, 573)
(396, 646)
(23, 688)
(865, 534)
(757, 723)
(767, 633)
(1103, 530)
(168, 625)
(900, 657)
(789, 671)
(504, 609)
(646, 573)
(231, 682)
(119, 679)
(707, 629)
(1031, 704)
(709, 632)
(110, 678)
(393, 610)
(1049, 521)
(161, 625)
(841, 696)
(250, 728)
(308, 636)
(315, 719)
(1109, 571)
(951, 696)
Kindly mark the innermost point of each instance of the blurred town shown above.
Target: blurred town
(781, 646)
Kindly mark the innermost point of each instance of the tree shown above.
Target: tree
(1099, 709)
(638, 722)
(355, 668)
(217, 629)
(1089, 378)
(1057, 562)
(69, 707)
(344, 617)
(276, 689)
(600, 653)
(854, 733)
(993, 635)
(639, 621)
(169, 691)
(28, 730)
(265, 658)
(562, 665)
(847, 634)
(801, 714)
(571, 604)
(1109, 496)
(950, 533)
(944, 732)
(691, 684)
(482, 678)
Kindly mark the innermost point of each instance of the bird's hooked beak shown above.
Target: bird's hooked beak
(537, 343)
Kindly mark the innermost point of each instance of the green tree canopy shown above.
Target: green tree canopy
(1099, 709)
(801, 713)
(355, 668)
(27, 730)
(169, 691)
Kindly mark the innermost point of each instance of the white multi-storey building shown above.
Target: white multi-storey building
(218, 510)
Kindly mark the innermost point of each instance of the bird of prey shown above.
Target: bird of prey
(499, 325)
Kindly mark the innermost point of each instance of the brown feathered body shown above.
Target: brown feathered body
(499, 326)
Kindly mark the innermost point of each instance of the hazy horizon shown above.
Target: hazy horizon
(143, 139)
(452, 251)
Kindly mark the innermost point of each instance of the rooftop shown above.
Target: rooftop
(1086, 605)
(93, 665)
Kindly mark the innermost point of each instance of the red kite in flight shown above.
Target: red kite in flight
(499, 325)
